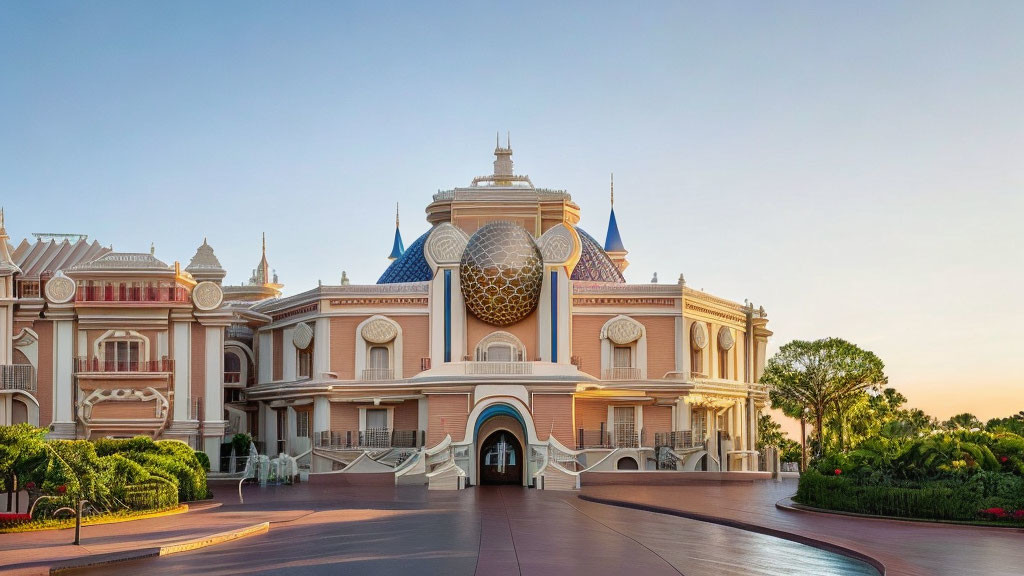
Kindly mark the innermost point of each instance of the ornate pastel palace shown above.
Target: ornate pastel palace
(501, 346)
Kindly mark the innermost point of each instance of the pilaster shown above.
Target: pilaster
(64, 425)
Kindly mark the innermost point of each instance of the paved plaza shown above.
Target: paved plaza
(511, 530)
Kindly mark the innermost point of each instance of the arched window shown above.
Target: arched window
(723, 363)
(698, 341)
(500, 347)
(121, 351)
(232, 368)
(379, 360)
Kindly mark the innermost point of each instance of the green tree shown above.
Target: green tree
(966, 421)
(1013, 424)
(821, 375)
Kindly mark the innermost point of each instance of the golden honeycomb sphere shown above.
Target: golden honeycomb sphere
(501, 273)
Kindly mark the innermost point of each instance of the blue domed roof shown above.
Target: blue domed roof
(411, 266)
(594, 264)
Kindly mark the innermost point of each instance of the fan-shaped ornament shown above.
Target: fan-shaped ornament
(725, 339)
(302, 337)
(379, 331)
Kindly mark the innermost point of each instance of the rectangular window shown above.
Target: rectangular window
(120, 355)
(723, 363)
(302, 429)
(622, 357)
(376, 418)
(305, 362)
(624, 427)
(379, 358)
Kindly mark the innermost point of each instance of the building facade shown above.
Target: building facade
(503, 345)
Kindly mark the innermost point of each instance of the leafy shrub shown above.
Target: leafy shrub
(204, 460)
(241, 443)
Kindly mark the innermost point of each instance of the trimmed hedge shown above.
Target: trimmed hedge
(112, 474)
(949, 499)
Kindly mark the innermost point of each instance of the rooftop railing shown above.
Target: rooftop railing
(131, 294)
(622, 374)
(498, 368)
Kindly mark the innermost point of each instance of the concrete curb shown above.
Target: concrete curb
(71, 565)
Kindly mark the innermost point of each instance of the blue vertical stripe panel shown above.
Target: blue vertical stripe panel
(447, 315)
(554, 316)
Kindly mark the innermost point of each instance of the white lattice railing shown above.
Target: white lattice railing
(498, 368)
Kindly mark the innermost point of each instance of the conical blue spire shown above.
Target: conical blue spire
(613, 242)
(398, 248)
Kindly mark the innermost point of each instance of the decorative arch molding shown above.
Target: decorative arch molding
(30, 402)
(378, 331)
(624, 331)
(27, 341)
(129, 335)
(500, 337)
(504, 405)
(725, 338)
(242, 354)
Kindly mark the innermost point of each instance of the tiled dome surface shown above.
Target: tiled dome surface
(411, 267)
(594, 264)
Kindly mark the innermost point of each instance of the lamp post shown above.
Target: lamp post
(78, 521)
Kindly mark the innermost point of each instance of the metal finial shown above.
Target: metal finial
(497, 139)
(152, 248)
(508, 139)
(396, 214)
(613, 189)
(264, 243)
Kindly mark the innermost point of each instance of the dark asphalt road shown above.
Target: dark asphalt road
(485, 530)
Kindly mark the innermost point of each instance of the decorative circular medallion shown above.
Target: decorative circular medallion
(302, 336)
(501, 273)
(725, 339)
(207, 296)
(624, 331)
(60, 288)
(379, 331)
(699, 335)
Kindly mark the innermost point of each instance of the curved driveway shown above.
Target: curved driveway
(482, 530)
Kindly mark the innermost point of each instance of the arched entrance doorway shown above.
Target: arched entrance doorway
(501, 459)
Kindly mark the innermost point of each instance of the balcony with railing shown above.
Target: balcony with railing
(232, 377)
(18, 377)
(128, 293)
(679, 440)
(619, 436)
(98, 365)
(371, 438)
(378, 374)
(622, 374)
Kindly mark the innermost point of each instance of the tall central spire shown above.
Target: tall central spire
(613, 241)
(502, 158)
(397, 248)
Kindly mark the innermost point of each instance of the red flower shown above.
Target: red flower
(996, 513)
(1003, 459)
(30, 485)
(1018, 515)
(838, 471)
(62, 489)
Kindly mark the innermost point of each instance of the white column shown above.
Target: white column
(322, 347)
(266, 357)
(63, 380)
(6, 333)
(288, 362)
(213, 396)
(182, 370)
(270, 430)
(321, 415)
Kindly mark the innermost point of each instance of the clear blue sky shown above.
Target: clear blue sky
(857, 169)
